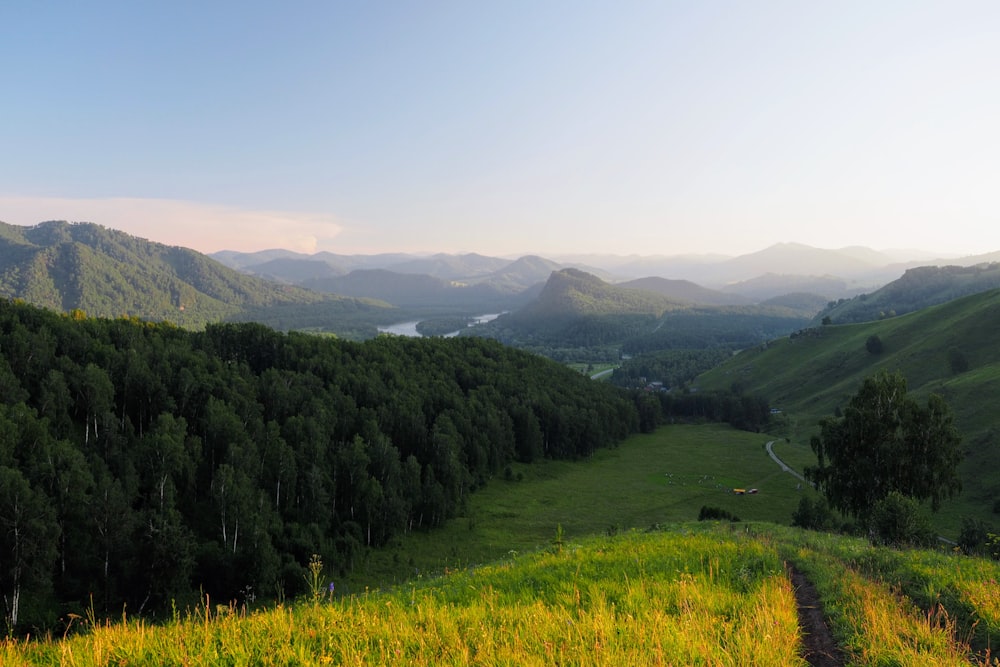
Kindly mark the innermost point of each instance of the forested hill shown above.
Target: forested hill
(916, 289)
(142, 463)
(573, 293)
(106, 273)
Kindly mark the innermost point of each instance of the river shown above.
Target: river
(410, 328)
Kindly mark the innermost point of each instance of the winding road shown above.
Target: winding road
(784, 466)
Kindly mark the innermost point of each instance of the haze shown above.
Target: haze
(507, 127)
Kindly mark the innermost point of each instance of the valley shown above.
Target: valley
(238, 453)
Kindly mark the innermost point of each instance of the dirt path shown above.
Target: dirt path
(819, 647)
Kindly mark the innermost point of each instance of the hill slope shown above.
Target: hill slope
(917, 288)
(810, 374)
(65, 266)
(685, 290)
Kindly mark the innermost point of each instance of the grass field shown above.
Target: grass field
(663, 477)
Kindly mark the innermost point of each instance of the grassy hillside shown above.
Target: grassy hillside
(917, 288)
(695, 594)
(810, 374)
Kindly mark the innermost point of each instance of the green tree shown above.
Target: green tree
(898, 520)
(28, 543)
(886, 442)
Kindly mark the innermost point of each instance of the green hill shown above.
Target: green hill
(573, 293)
(949, 349)
(917, 288)
(106, 273)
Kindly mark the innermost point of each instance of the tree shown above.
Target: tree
(874, 345)
(886, 442)
(897, 521)
(28, 542)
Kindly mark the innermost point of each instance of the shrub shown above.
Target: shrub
(974, 538)
(716, 514)
(898, 520)
(814, 515)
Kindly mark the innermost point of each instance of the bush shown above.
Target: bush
(814, 515)
(975, 536)
(898, 520)
(716, 514)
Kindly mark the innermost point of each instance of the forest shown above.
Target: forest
(144, 465)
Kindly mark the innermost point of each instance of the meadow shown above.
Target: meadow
(648, 480)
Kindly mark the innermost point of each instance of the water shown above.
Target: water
(410, 328)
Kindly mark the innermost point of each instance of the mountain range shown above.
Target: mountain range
(774, 271)
(104, 272)
(107, 273)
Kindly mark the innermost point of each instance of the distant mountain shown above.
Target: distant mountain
(106, 273)
(577, 309)
(798, 259)
(771, 285)
(452, 267)
(295, 271)
(265, 261)
(918, 288)
(780, 269)
(691, 267)
(571, 292)
(408, 290)
(685, 290)
(522, 274)
(801, 302)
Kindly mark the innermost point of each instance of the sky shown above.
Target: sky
(504, 128)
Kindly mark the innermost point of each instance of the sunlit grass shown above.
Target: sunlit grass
(697, 593)
(637, 599)
(906, 607)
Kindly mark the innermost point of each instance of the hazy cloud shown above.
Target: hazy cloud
(203, 227)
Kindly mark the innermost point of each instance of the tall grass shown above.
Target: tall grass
(906, 607)
(697, 594)
(667, 598)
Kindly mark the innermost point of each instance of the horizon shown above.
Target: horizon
(657, 129)
(892, 254)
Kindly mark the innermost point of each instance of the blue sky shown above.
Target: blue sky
(506, 127)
